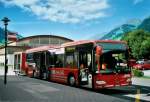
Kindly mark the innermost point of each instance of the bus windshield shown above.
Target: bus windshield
(114, 58)
(114, 61)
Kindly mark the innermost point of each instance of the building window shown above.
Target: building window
(44, 41)
(54, 41)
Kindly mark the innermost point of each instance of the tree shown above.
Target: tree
(139, 43)
(145, 48)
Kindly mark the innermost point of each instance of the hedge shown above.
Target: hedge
(137, 73)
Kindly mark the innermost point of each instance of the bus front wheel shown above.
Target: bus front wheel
(71, 80)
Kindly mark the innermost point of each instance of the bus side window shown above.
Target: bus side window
(76, 60)
(59, 60)
(103, 63)
(69, 60)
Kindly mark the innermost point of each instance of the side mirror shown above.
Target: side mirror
(98, 50)
(98, 53)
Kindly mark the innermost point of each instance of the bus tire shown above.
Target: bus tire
(71, 80)
(34, 74)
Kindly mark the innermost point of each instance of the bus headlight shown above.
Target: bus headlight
(100, 82)
(127, 76)
(129, 80)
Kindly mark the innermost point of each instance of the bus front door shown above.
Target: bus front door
(85, 67)
(84, 76)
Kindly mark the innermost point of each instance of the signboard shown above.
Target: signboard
(57, 51)
(112, 46)
(70, 49)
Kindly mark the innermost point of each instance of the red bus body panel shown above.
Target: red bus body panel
(23, 66)
(112, 80)
(61, 74)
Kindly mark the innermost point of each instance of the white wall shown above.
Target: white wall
(10, 64)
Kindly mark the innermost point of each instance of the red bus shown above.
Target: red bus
(96, 64)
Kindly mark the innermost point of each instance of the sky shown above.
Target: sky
(74, 19)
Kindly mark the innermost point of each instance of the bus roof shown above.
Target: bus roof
(74, 43)
(77, 43)
(89, 41)
(41, 48)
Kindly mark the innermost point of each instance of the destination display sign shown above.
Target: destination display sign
(112, 46)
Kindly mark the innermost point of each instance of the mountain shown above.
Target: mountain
(1, 36)
(118, 32)
(145, 25)
(10, 34)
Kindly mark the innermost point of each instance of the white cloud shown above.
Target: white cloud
(65, 11)
(137, 1)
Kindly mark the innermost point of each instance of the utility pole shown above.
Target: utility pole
(5, 20)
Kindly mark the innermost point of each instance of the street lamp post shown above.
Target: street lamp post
(5, 20)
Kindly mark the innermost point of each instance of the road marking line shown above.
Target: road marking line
(144, 97)
(137, 96)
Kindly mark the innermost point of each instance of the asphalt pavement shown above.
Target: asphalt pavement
(24, 89)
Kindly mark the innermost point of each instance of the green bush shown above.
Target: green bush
(137, 73)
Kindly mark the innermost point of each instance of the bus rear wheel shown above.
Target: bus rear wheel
(34, 74)
(71, 81)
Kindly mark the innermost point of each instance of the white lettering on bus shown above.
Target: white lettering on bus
(57, 72)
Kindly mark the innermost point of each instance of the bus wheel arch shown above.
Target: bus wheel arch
(71, 79)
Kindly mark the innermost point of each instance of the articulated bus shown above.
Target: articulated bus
(88, 63)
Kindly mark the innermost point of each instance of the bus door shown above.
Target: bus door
(42, 65)
(48, 64)
(85, 67)
(40, 68)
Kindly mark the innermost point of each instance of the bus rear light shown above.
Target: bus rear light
(100, 82)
